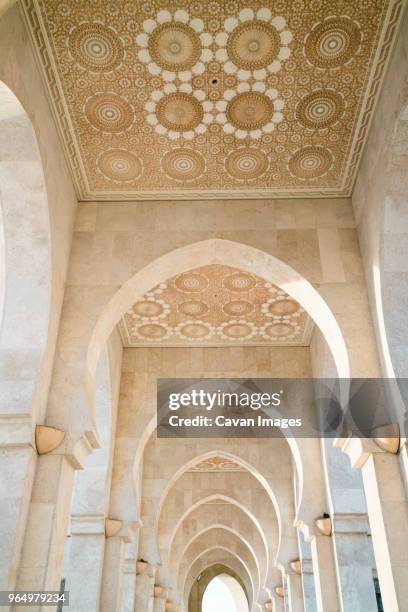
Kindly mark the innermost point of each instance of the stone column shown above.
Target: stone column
(17, 467)
(355, 562)
(278, 604)
(47, 525)
(144, 589)
(307, 577)
(308, 585)
(85, 563)
(294, 593)
(127, 603)
(118, 534)
(387, 507)
(159, 604)
(327, 598)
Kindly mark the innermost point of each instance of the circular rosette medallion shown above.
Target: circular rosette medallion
(179, 112)
(194, 330)
(183, 164)
(152, 331)
(246, 163)
(310, 162)
(333, 42)
(238, 308)
(109, 112)
(247, 111)
(284, 307)
(279, 330)
(148, 309)
(119, 165)
(236, 330)
(253, 44)
(193, 308)
(320, 109)
(174, 45)
(95, 47)
(239, 281)
(191, 282)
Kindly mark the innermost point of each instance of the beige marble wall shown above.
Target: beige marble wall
(113, 241)
(380, 204)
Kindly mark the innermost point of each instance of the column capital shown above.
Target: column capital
(160, 592)
(296, 566)
(121, 529)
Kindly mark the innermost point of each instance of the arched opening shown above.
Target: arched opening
(213, 251)
(224, 593)
(25, 306)
(25, 268)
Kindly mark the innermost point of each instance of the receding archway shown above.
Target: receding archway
(224, 592)
(203, 580)
(213, 251)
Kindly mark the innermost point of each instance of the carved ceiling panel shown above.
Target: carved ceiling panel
(231, 98)
(216, 305)
(217, 464)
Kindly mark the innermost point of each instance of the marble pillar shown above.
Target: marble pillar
(159, 604)
(352, 545)
(387, 507)
(327, 597)
(278, 604)
(355, 562)
(47, 525)
(85, 562)
(294, 593)
(112, 577)
(127, 603)
(17, 467)
(144, 589)
(307, 577)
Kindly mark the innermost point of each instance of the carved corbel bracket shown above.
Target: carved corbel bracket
(47, 439)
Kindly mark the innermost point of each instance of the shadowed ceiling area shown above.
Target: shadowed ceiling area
(199, 99)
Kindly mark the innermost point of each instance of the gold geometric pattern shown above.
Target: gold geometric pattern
(109, 112)
(333, 43)
(310, 162)
(119, 165)
(246, 163)
(216, 305)
(183, 164)
(294, 80)
(320, 109)
(96, 47)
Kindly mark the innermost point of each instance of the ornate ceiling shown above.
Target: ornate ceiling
(232, 98)
(217, 464)
(215, 305)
